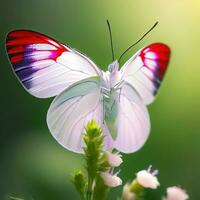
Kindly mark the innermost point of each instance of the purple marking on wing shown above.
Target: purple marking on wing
(25, 69)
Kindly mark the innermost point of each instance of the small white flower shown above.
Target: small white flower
(114, 159)
(147, 179)
(111, 180)
(127, 194)
(176, 193)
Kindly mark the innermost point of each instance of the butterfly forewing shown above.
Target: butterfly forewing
(146, 69)
(44, 66)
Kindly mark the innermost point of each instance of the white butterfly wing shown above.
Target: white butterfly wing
(44, 66)
(72, 109)
(132, 122)
(146, 69)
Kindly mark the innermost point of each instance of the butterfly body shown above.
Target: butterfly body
(110, 109)
(116, 99)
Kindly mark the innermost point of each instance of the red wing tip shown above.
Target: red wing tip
(17, 33)
(160, 45)
(156, 54)
(26, 37)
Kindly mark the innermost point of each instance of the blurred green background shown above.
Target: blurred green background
(32, 164)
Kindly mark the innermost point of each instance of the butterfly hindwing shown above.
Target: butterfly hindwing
(44, 66)
(132, 120)
(72, 109)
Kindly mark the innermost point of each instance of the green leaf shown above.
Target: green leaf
(14, 198)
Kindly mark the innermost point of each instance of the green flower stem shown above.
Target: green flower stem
(89, 188)
(93, 149)
(135, 187)
(100, 189)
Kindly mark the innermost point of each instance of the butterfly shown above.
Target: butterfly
(116, 99)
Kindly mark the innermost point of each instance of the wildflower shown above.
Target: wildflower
(127, 194)
(147, 179)
(114, 159)
(176, 193)
(110, 180)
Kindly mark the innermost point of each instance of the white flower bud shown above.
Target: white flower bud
(126, 194)
(176, 193)
(111, 180)
(114, 159)
(147, 180)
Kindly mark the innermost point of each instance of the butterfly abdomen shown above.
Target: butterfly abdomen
(110, 111)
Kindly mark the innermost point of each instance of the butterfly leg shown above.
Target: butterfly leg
(118, 86)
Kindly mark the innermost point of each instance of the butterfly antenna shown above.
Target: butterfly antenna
(130, 47)
(111, 41)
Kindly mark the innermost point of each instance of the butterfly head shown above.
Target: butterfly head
(113, 67)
